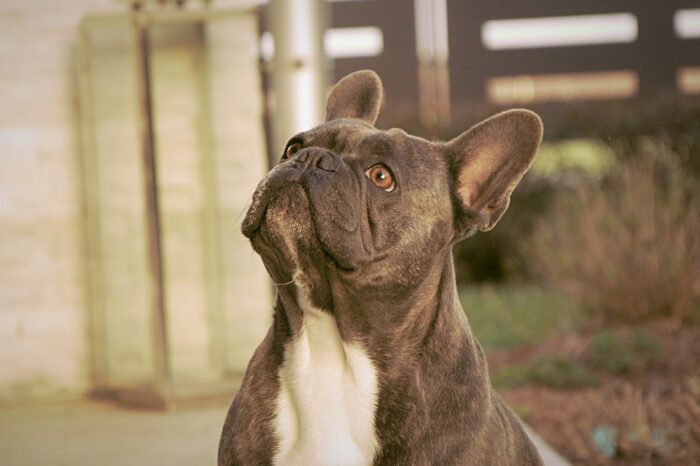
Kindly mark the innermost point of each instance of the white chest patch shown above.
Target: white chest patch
(327, 399)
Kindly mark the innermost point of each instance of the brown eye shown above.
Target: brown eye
(292, 149)
(381, 177)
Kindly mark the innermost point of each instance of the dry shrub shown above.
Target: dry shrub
(629, 246)
(644, 428)
(639, 426)
(650, 416)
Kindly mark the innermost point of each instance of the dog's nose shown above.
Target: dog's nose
(314, 158)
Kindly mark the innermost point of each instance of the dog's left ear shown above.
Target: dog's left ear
(358, 95)
(489, 161)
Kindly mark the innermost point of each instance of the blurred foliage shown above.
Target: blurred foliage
(583, 145)
(670, 119)
(616, 352)
(620, 354)
(508, 316)
(628, 245)
(610, 353)
(495, 256)
(573, 156)
(646, 345)
(650, 429)
(521, 410)
(556, 371)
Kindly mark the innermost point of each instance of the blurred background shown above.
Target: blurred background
(133, 133)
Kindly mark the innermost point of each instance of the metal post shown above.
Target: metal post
(299, 77)
(155, 256)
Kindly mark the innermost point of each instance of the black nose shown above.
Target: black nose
(316, 158)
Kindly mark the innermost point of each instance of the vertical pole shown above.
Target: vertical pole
(433, 56)
(424, 49)
(153, 227)
(299, 78)
(441, 58)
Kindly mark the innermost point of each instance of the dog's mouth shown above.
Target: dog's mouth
(276, 181)
(264, 197)
(255, 216)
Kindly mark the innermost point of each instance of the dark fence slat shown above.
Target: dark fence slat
(398, 64)
(656, 55)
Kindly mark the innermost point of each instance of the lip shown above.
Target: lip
(255, 216)
(280, 177)
(262, 199)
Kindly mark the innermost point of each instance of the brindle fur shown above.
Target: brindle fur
(381, 264)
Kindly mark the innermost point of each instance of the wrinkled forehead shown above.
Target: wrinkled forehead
(350, 138)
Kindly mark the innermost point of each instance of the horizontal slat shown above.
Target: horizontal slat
(558, 31)
(562, 87)
(687, 23)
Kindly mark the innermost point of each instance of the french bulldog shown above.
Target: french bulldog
(370, 358)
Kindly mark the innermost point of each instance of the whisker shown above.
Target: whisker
(284, 284)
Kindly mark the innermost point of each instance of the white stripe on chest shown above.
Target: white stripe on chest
(327, 399)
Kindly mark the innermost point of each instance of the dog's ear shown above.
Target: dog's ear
(489, 161)
(357, 95)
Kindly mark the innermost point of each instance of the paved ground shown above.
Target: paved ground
(92, 433)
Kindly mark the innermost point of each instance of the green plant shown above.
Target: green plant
(611, 353)
(551, 371)
(645, 345)
(622, 352)
(511, 377)
(506, 316)
(559, 372)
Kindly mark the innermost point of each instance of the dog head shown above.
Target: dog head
(351, 207)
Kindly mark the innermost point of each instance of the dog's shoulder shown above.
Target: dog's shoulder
(247, 437)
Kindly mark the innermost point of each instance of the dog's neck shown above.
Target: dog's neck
(336, 365)
(429, 318)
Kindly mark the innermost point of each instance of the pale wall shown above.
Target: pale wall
(44, 315)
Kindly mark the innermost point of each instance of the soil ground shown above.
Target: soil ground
(646, 414)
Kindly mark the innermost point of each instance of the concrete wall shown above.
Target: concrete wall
(46, 314)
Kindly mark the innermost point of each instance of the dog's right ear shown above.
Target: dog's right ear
(358, 95)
